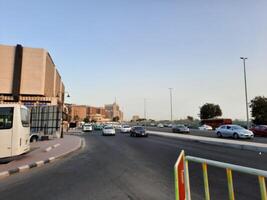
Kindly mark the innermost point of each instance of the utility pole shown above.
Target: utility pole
(246, 92)
(171, 101)
(145, 111)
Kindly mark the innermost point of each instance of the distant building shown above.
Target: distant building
(97, 114)
(135, 118)
(113, 111)
(29, 76)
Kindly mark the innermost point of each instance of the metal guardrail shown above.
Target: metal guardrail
(261, 174)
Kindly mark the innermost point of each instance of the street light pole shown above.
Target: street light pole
(246, 92)
(144, 108)
(171, 101)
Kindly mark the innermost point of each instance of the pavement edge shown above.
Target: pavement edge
(40, 163)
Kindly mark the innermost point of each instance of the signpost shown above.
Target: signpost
(179, 178)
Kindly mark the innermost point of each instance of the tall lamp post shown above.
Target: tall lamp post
(145, 112)
(246, 92)
(62, 110)
(171, 101)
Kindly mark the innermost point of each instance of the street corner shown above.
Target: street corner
(42, 153)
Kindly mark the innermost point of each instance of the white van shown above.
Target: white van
(14, 130)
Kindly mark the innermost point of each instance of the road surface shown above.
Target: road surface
(122, 167)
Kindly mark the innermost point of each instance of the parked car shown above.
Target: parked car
(234, 131)
(170, 125)
(108, 130)
(205, 127)
(180, 128)
(125, 129)
(260, 130)
(138, 131)
(87, 127)
(160, 126)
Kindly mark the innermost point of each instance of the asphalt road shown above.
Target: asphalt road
(121, 167)
(212, 134)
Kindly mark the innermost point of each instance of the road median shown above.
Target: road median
(237, 144)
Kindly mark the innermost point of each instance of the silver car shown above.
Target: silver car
(234, 131)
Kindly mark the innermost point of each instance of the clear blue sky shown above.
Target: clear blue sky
(136, 49)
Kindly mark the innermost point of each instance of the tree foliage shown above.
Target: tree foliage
(210, 110)
(116, 119)
(86, 120)
(259, 110)
(190, 118)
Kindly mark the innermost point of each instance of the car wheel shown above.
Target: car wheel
(34, 139)
(235, 136)
(219, 134)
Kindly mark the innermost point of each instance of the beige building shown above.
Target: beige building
(135, 118)
(29, 76)
(97, 114)
(113, 110)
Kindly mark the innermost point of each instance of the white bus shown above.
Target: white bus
(14, 130)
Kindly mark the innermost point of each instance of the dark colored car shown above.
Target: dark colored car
(180, 129)
(260, 130)
(138, 131)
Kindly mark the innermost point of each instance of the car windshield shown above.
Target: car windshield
(108, 127)
(126, 126)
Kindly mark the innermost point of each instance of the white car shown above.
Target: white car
(160, 126)
(234, 131)
(87, 127)
(108, 130)
(205, 128)
(170, 125)
(125, 129)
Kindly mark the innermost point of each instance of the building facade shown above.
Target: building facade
(95, 114)
(113, 111)
(29, 76)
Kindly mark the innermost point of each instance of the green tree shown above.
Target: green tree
(116, 119)
(259, 110)
(190, 118)
(210, 110)
(76, 118)
(86, 120)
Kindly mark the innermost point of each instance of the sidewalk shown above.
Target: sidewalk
(252, 146)
(42, 152)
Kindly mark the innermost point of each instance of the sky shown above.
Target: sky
(131, 50)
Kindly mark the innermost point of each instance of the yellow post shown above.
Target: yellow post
(206, 181)
(230, 184)
(262, 187)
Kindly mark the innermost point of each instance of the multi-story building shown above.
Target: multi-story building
(78, 112)
(97, 114)
(113, 111)
(135, 118)
(29, 76)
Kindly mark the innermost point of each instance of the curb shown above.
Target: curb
(39, 163)
(222, 144)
